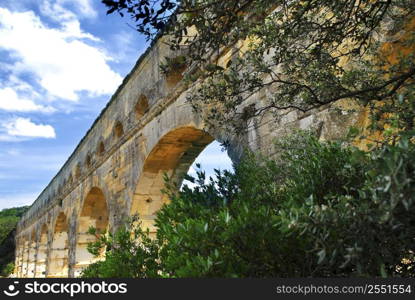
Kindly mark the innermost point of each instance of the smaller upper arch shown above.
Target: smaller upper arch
(88, 160)
(141, 107)
(173, 69)
(118, 129)
(101, 148)
(78, 171)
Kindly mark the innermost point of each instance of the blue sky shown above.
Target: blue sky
(60, 62)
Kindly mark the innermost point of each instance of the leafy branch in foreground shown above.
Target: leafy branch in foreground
(129, 253)
(304, 53)
(318, 210)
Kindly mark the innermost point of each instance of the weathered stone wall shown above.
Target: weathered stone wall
(117, 169)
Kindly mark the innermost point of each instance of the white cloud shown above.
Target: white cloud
(10, 101)
(63, 10)
(60, 59)
(24, 127)
(85, 7)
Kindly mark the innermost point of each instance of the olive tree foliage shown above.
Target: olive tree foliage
(130, 253)
(307, 53)
(318, 210)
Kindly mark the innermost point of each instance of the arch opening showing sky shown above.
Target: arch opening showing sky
(211, 158)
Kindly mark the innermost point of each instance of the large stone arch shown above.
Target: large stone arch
(42, 249)
(172, 155)
(94, 213)
(58, 260)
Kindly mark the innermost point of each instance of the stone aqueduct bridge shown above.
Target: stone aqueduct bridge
(117, 169)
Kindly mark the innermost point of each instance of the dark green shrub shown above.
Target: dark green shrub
(317, 210)
(8, 269)
(130, 253)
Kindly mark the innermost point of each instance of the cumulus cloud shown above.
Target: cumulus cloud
(24, 127)
(10, 101)
(62, 60)
(63, 10)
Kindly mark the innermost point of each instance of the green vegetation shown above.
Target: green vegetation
(8, 269)
(8, 220)
(127, 258)
(319, 209)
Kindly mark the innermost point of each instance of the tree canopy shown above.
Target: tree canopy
(308, 53)
(8, 220)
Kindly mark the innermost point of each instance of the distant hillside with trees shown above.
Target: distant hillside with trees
(8, 220)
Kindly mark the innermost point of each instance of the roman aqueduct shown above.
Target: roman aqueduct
(117, 169)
